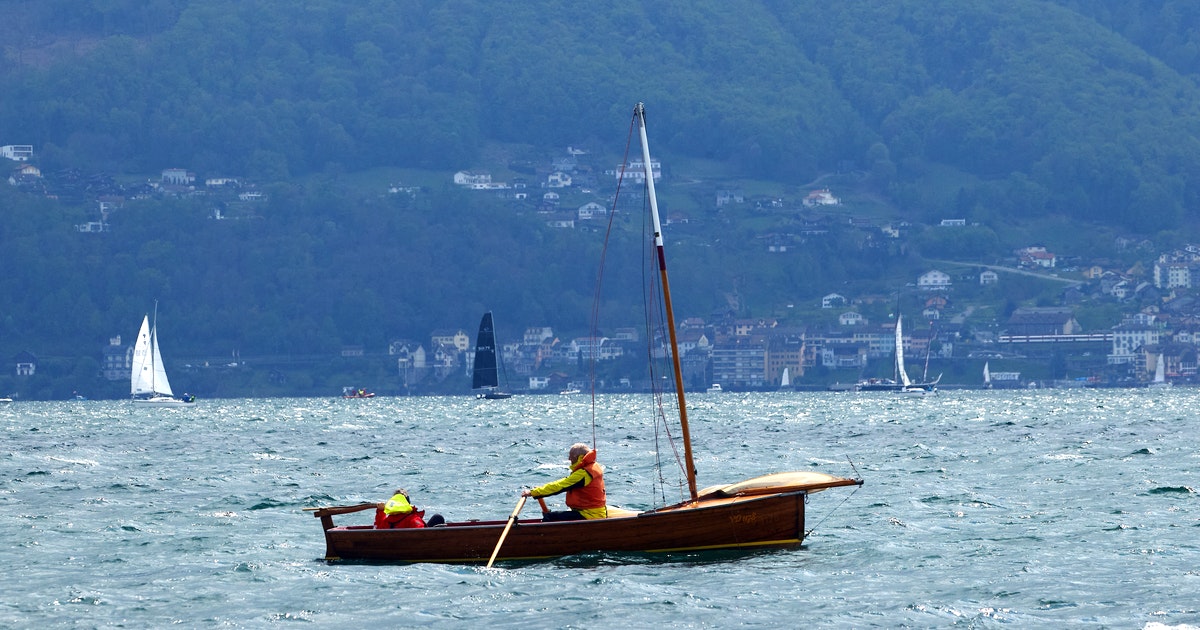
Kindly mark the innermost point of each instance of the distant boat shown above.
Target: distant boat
(486, 369)
(353, 392)
(6, 399)
(148, 378)
(907, 385)
(715, 388)
(987, 376)
(902, 384)
(786, 381)
(1160, 374)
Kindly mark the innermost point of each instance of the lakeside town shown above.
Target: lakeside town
(852, 338)
(753, 354)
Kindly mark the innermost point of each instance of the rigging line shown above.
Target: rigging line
(851, 462)
(830, 512)
(595, 315)
(662, 426)
(656, 322)
(652, 324)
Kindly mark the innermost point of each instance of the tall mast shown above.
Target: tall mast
(639, 112)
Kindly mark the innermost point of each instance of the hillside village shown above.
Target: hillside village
(752, 354)
(1162, 321)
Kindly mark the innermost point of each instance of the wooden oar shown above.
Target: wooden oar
(326, 514)
(340, 509)
(511, 519)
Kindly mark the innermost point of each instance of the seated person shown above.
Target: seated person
(584, 487)
(398, 512)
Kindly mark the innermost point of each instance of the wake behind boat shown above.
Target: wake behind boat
(763, 512)
(148, 378)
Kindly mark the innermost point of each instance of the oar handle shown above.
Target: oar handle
(504, 534)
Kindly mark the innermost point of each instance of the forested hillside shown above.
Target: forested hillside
(1041, 106)
(1007, 113)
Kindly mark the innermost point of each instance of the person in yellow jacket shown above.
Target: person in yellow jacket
(399, 513)
(584, 486)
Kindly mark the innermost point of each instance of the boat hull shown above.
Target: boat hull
(773, 521)
(163, 401)
(899, 388)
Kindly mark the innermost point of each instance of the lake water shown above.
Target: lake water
(1068, 508)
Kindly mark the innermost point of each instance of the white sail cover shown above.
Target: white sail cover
(148, 376)
(900, 355)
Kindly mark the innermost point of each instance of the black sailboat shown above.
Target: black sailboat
(486, 370)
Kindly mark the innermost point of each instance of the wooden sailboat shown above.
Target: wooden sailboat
(764, 512)
(485, 372)
(148, 378)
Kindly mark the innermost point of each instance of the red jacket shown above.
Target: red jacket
(415, 518)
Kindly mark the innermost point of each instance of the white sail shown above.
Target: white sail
(900, 355)
(786, 381)
(987, 376)
(159, 384)
(142, 375)
(1160, 373)
(148, 377)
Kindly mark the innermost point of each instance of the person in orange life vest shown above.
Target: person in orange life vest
(584, 486)
(398, 512)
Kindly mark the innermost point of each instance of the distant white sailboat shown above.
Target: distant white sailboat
(906, 384)
(148, 379)
(987, 376)
(901, 384)
(786, 381)
(1160, 374)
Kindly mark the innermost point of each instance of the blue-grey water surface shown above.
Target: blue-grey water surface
(1066, 508)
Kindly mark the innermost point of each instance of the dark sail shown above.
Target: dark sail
(485, 355)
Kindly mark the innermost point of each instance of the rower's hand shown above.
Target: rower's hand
(526, 493)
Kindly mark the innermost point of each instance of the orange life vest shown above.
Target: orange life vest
(587, 496)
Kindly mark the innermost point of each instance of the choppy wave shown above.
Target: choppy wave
(1030, 509)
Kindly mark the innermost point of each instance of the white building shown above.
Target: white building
(636, 170)
(17, 152)
(933, 281)
(1129, 338)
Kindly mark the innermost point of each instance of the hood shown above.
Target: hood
(588, 458)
